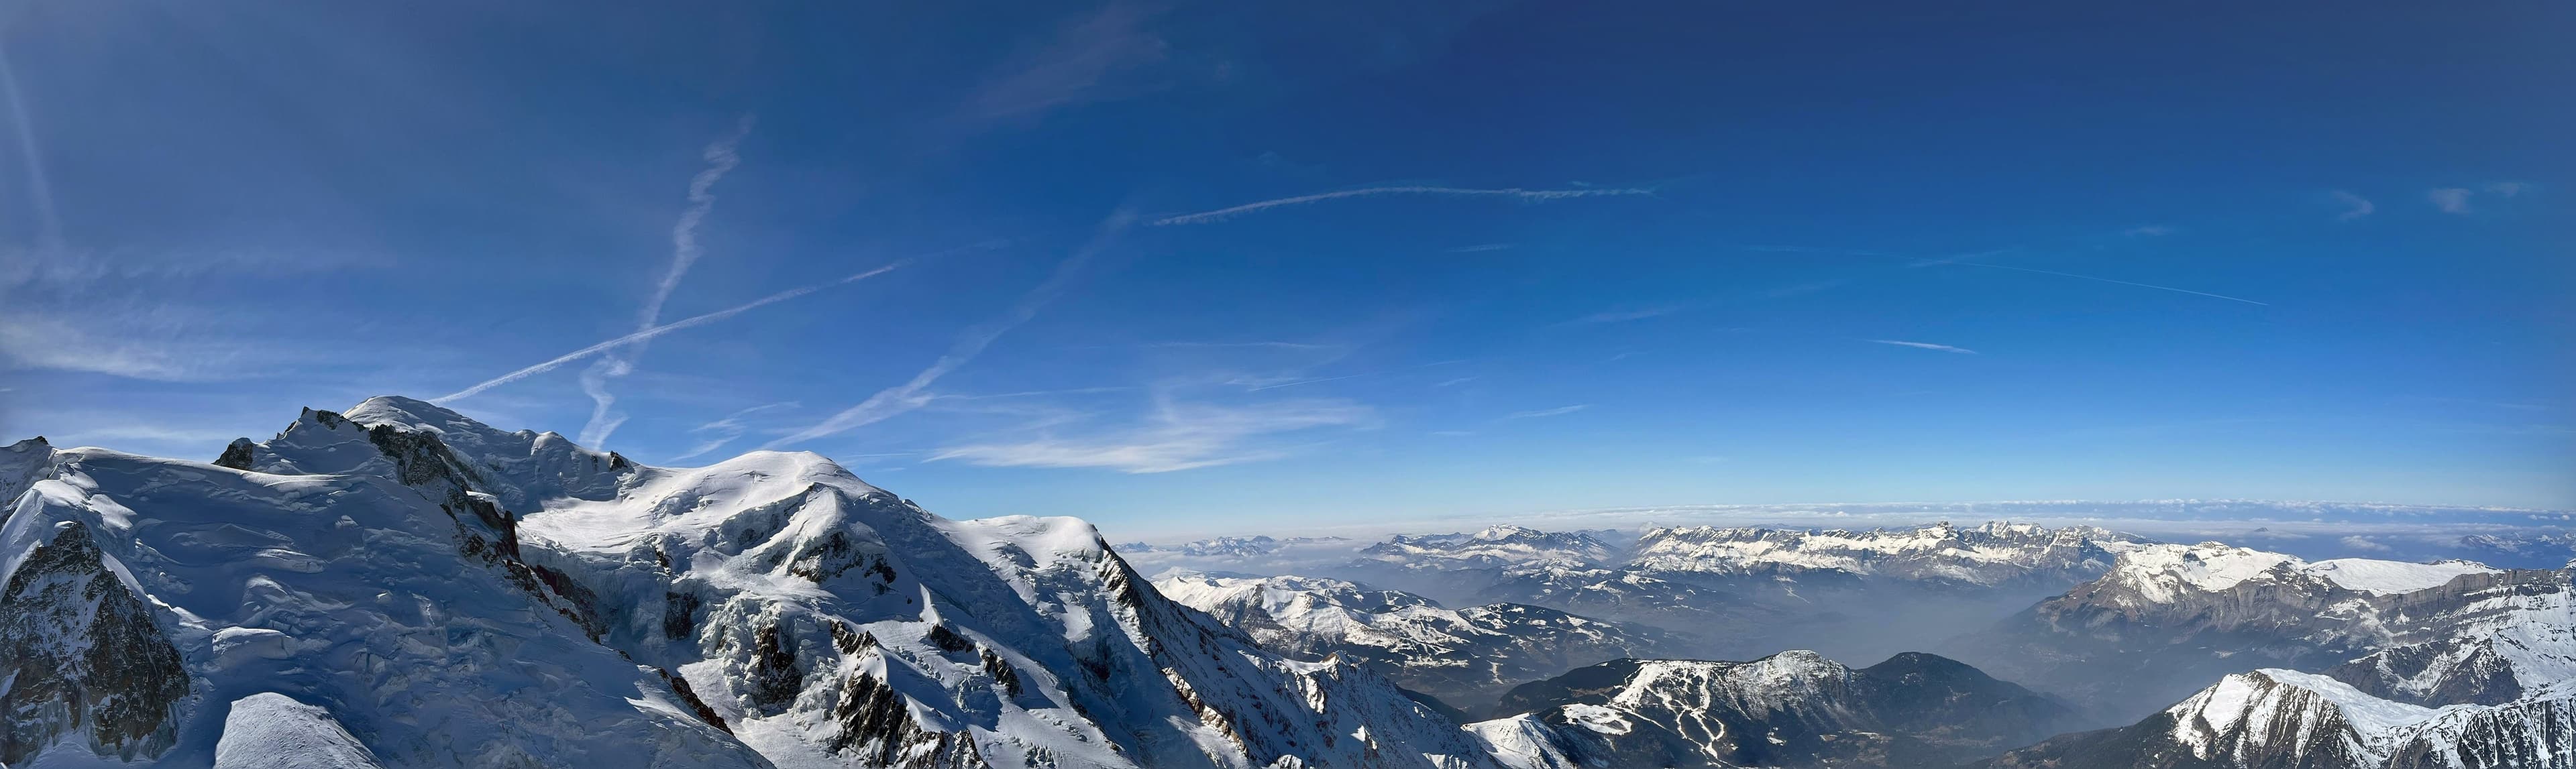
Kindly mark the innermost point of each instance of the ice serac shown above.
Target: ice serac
(1465, 657)
(1794, 709)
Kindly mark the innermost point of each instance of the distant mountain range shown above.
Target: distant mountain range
(397, 586)
(1465, 657)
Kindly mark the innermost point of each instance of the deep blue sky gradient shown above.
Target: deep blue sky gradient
(242, 208)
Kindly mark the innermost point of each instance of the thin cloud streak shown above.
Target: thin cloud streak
(2451, 200)
(2110, 280)
(1554, 412)
(1297, 382)
(1176, 437)
(721, 156)
(728, 429)
(1924, 346)
(2355, 206)
(1623, 316)
(970, 343)
(1222, 214)
(40, 190)
(657, 331)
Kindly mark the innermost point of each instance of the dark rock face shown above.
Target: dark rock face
(237, 455)
(878, 729)
(81, 654)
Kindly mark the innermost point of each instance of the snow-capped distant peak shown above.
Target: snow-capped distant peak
(1992, 553)
(2393, 577)
(2162, 573)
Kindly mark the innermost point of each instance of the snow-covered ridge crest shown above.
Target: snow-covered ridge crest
(546, 604)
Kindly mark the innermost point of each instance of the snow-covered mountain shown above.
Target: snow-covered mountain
(1493, 547)
(1996, 553)
(2285, 719)
(1465, 657)
(404, 586)
(2167, 618)
(1745, 591)
(1793, 709)
(1229, 547)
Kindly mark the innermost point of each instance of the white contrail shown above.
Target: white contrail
(970, 343)
(1204, 217)
(40, 191)
(721, 156)
(2109, 280)
(1925, 346)
(656, 331)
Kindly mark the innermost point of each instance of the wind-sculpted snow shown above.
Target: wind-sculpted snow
(1793, 709)
(1465, 656)
(272, 731)
(448, 594)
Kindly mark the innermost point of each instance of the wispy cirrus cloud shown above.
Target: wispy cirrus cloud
(40, 190)
(1527, 195)
(2100, 279)
(1623, 316)
(1079, 64)
(714, 435)
(132, 314)
(969, 343)
(684, 323)
(721, 156)
(2148, 231)
(2354, 206)
(1554, 412)
(1480, 248)
(2450, 200)
(2457, 200)
(1923, 346)
(1175, 436)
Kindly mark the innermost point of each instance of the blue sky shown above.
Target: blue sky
(1177, 266)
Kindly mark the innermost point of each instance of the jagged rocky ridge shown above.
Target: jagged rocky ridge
(1793, 709)
(1465, 657)
(399, 584)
